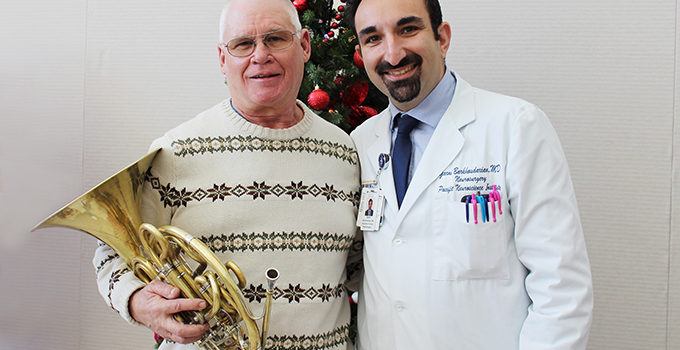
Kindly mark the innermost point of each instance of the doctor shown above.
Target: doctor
(480, 245)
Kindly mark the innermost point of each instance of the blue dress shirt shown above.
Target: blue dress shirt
(429, 113)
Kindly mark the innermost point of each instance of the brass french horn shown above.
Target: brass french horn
(111, 213)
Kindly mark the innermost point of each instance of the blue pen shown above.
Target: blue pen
(482, 206)
(467, 209)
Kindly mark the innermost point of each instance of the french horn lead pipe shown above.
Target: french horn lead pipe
(272, 275)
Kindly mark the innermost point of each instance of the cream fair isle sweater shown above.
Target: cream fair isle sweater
(283, 198)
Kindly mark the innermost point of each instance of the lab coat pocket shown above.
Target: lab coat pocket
(464, 250)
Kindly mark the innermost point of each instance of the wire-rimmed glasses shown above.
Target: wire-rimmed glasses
(275, 41)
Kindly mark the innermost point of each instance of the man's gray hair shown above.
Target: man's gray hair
(292, 11)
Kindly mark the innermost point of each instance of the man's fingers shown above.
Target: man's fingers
(181, 340)
(178, 305)
(160, 313)
(163, 333)
(185, 333)
(163, 289)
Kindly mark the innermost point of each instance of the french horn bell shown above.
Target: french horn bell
(110, 212)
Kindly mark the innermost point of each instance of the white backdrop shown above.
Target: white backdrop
(85, 85)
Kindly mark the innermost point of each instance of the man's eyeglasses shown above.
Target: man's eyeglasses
(275, 41)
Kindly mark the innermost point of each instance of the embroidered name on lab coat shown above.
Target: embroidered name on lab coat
(466, 179)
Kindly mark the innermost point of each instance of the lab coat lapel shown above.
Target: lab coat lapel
(383, 144)
(444, 146)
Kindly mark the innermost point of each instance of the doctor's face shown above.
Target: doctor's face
(401, 55)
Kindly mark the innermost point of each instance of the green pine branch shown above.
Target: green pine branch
(331, 66)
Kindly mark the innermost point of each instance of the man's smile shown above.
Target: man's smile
(408, 67)
(400, 72)
(264, 76)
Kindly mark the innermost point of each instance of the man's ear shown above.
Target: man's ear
(221, 54)
(357, 48)
(305, 42)
(444, 32)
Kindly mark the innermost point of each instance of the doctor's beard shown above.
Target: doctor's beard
(406, 89)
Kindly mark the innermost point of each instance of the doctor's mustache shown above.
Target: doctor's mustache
(410, 58)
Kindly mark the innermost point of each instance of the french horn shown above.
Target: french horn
(110, 212)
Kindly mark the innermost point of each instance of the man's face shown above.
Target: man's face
(370, 203)
(400, 52)
(264, 78)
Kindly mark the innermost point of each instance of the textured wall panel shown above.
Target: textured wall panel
(41, 90)
(674, 273)
(604, 73)
(150, 66)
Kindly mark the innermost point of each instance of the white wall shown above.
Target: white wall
(41, 106)
(85, 85)
(604, 72)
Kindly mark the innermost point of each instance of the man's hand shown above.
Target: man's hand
(154, 306)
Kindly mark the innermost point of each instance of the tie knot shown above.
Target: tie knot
(406, 123)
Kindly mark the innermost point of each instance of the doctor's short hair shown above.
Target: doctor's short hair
(434, 10)
(292, 12)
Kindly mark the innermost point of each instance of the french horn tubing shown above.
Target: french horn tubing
(110, 212)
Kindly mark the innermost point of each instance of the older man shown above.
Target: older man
(480, 246)
(240, 175)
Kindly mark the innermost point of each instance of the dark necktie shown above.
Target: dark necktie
(401, 154)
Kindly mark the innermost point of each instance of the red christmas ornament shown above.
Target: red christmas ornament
(331, 34)
(339, 80)
(355, 94)
(358, 61)
(334, 25)
(359, 114)
(338, 16)
(318, 99)
(368, 111)
(300, 5)
(341, 8)
(343, 1)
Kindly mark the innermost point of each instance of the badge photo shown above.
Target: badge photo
(370, 209)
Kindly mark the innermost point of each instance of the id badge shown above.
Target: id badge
(370, 208)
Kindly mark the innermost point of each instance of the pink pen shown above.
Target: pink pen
(474, 207)
(497, 196)
(492, 202)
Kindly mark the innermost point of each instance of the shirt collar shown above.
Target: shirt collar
(433, 107)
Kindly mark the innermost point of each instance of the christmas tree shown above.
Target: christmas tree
(335, 83)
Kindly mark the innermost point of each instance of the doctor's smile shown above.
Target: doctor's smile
(402, 80)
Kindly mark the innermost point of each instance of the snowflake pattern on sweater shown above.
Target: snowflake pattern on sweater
(283, 198)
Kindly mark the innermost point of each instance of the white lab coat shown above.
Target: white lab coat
(433, 280)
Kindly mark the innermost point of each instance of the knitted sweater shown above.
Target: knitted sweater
(283, 198)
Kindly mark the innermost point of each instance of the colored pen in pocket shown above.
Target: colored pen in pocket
(477, 200)
(482, 207)
(497, 197)
(467, 208)
(473, 201)
(492, 203)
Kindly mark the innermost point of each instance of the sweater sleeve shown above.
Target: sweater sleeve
(355, 263)
(115, 280)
